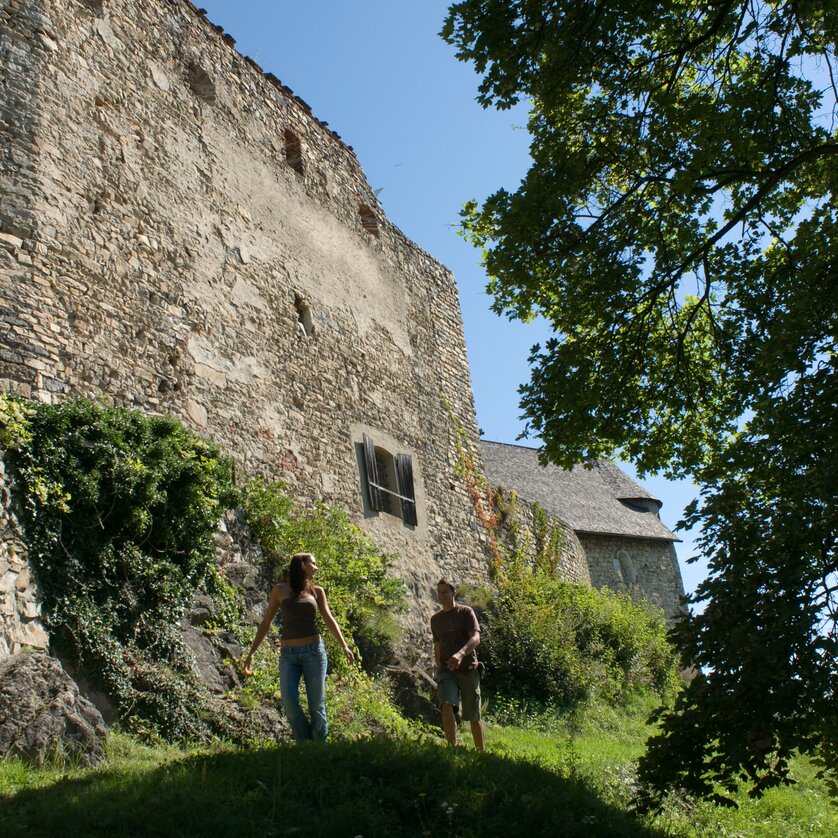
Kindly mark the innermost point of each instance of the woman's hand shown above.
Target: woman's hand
(247, 667)
(348, 652)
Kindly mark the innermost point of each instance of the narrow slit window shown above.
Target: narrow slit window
(305, 323)
(294, 152)
(369, 220)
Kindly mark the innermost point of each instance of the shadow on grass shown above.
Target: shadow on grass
(340, 789)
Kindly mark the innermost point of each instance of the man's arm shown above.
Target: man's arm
(470, 645)
(437, 655)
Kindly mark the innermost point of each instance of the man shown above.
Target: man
(456, 635)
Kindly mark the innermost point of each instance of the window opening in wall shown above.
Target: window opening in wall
(389, 480)
(294, 152)
(368, 220)
(201, 84)
(625, 568)
(386, 478)
(305, 323)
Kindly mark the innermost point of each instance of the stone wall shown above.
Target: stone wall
(520, 531)
(179, 234)
(20, 604)
(645, 565)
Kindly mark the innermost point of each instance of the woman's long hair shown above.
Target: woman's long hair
(297, 576)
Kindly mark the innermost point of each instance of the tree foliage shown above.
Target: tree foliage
(677, 229)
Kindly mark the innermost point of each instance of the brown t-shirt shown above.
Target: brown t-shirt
(452, 629)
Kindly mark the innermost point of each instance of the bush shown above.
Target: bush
(561, 644)
(119, 511)
(355, 573)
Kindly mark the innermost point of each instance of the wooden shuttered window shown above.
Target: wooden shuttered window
(373, 483)
(379, 489)
(404, 473)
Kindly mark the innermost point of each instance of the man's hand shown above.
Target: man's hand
(455, 660)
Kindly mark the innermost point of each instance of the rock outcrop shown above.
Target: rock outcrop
(42, 714)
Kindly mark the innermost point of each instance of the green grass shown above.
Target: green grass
(604, 760)
(370, 788)
(550, 778)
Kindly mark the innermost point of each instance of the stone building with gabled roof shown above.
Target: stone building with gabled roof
(614, 518)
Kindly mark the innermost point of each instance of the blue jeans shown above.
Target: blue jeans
(308, 662)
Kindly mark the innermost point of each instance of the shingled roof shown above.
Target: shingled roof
(601, 500)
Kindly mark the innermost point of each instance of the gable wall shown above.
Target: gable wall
(646, 565)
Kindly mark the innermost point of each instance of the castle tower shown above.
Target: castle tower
(179, 233)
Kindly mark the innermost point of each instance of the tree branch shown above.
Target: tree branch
(771, 180)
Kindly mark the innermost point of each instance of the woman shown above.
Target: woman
(303, 653)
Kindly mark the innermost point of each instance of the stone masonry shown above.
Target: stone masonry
(180, 234)
(636, 564)
(20, 610)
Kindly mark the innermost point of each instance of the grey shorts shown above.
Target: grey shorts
(460, 687)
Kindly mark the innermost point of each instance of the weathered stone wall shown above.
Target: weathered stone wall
(20, 602)
(521, 531)
(645, 565)
(180, 234)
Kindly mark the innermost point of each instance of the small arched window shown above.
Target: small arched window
(369, 220)
(294, 152)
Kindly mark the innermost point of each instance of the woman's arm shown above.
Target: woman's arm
(270, 612)
(331, 624)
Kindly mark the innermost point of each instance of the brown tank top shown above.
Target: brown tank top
(298, 618)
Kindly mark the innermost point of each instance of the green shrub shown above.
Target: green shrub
(119, 511)
(355, 573)
(560, 644)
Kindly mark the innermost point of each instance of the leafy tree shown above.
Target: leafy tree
(677, 229)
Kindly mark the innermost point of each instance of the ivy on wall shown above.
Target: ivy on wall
(119, 511)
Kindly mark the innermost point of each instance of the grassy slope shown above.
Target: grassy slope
(530, 783)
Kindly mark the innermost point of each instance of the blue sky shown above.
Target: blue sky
(378, 73)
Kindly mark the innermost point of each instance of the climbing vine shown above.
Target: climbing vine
(119, 511)
(497, 512)
(479, 489)
(549, 539)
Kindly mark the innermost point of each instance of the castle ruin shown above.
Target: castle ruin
(179, 233)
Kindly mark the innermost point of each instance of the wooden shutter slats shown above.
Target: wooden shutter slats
(404, 472)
